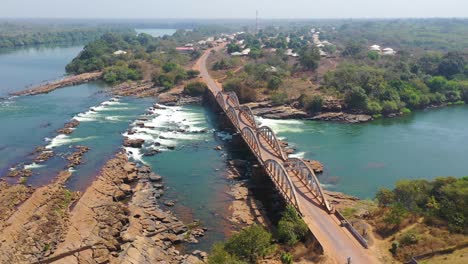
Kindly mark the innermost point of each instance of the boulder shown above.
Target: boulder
(154, 177)
(133, 143)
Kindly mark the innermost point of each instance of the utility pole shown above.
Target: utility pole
(256, 21)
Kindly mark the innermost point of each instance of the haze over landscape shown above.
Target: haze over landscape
(206, 9)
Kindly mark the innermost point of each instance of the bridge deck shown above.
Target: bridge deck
(336, 241)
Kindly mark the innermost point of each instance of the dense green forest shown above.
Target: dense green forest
(390, 84)
(25, 34)
(409, 34)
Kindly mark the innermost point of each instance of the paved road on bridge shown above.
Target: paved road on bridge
(337, 242)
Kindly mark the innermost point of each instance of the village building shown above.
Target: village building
(388, 51)
(185, 49)
(120, 52)
(374, 48)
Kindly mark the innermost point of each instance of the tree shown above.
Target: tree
(219, 255)
(313, 104)
(352, 49)
(291, 227)
(389, 107)
(356, 98)
(395, 215)
(274, 82)
(192, 74)
(309, 57)
(437, 83)
(452, 63)
(250, 244)
(195, 88)
(385, 197)
(233, 48)
(374, 107)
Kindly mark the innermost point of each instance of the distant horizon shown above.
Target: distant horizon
(240, 9)
(226, 19)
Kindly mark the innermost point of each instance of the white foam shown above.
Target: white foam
(62, 139)
(224, 136)
(135, 154)
(33, 166)
(299, 155)
(281, 126)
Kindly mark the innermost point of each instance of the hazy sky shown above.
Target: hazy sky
(232, 8)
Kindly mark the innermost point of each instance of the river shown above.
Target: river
(360, 158)
(197, 185)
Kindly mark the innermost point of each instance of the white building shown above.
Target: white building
(120, 52)
(388, 51)
(289, 52)
(374, 48)
(246, 52)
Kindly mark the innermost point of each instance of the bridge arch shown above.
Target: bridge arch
(282, 181)
(231, 113)
(244, 111)
(270, 137)
(307, 176)
(220, 100)
(232, 99)
(252, 140)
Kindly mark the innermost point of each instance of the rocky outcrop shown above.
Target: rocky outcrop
(68, 128)
(75, 158)
(67, 81)
(133, 143)
(315, 165)
(276, 112)
(342, 117)
(19, 173)
(118, 220)
(38, 224)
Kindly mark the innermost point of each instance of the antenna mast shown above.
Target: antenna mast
(256, 21)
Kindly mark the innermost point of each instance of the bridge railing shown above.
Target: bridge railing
(280, 177)
(307, 176)
(270, 137)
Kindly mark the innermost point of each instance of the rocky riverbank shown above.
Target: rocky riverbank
(67, 81)
(117, 220)
(267, 110)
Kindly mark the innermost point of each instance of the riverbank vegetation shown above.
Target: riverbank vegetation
(131, 57)
(19, 34)
(254, 243)
(331, 67)
(418, 218)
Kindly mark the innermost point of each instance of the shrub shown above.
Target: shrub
(395, 215)
(356, 98)
(408, 238)
(219, 255)
(385, 197)
(192, 74)
(374, 108)
(250, 244)
(279, 98)
(286, 258)
(389, 107)
(195, 88)
(394, 248)
(291, 227)
(274, 83)
(313, 104)
(170, 66)
(405, 111)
